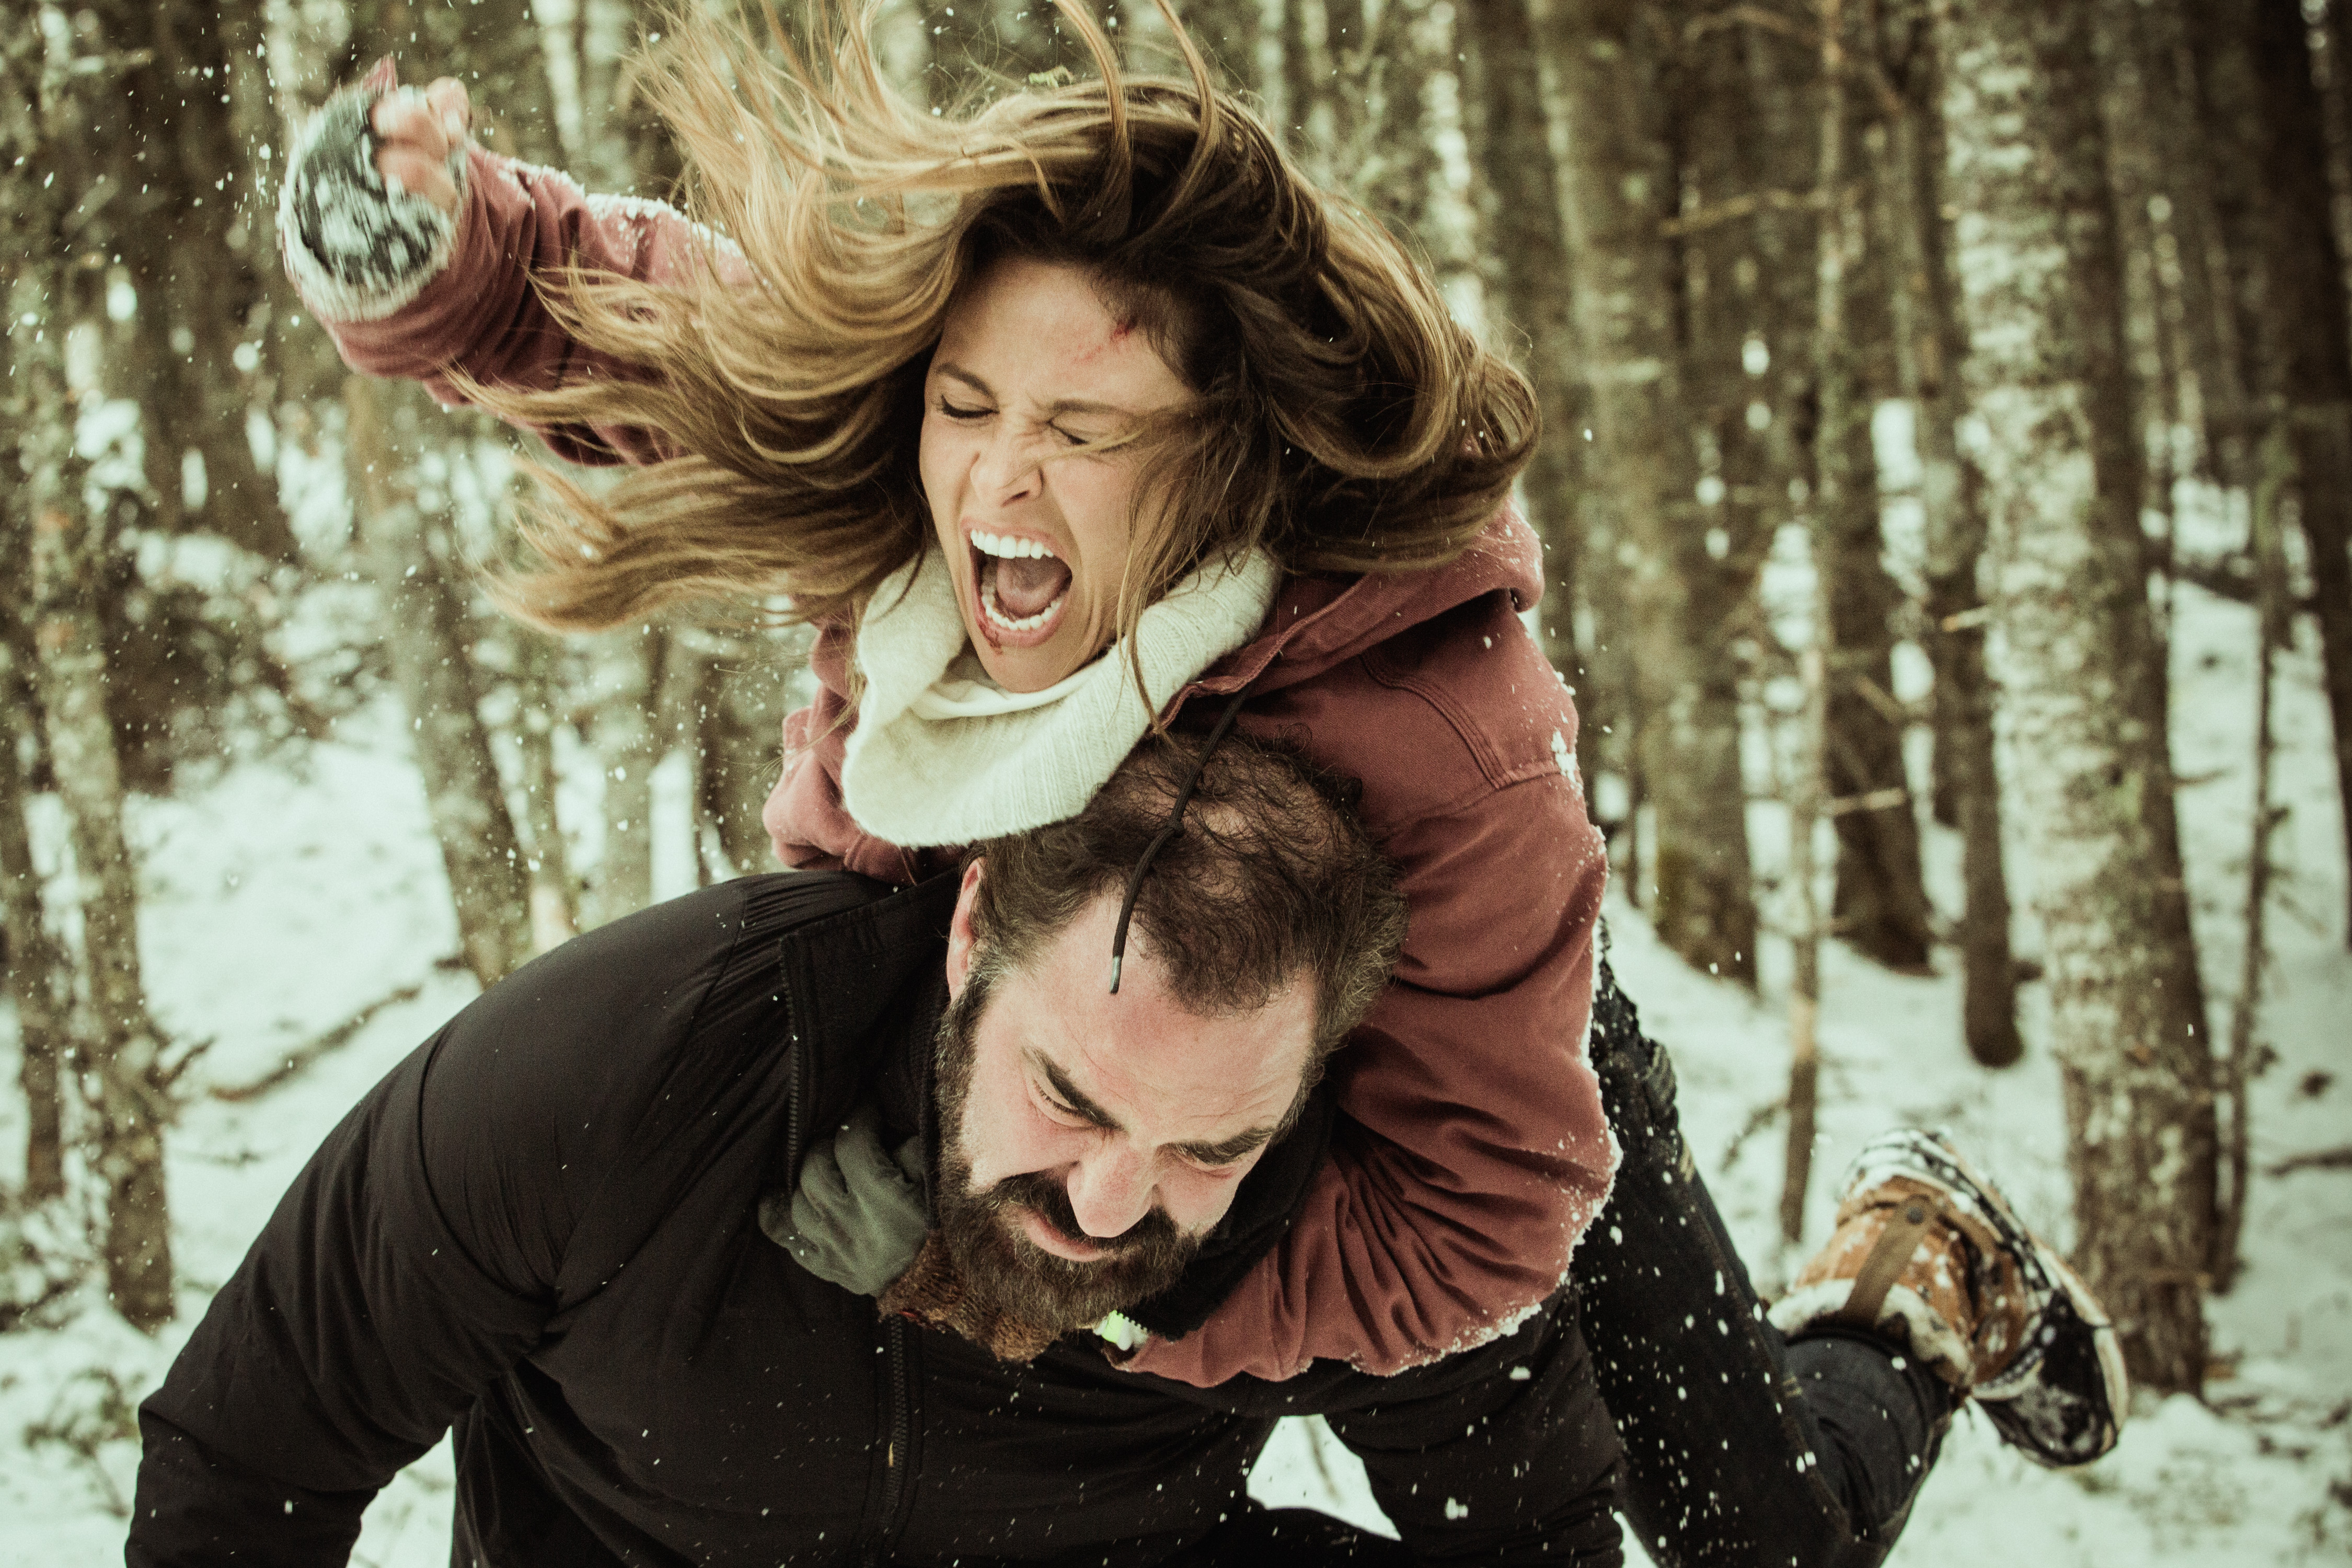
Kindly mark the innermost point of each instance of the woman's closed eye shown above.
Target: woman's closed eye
(960, 412)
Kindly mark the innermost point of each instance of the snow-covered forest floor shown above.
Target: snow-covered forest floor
(293, 895)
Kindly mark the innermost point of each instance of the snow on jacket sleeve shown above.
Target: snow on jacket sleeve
(481, 312)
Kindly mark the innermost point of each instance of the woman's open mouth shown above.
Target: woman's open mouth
(1020, 585)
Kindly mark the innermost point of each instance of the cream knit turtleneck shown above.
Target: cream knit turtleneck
(940, 754)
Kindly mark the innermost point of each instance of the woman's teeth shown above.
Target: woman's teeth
(1005, 548)
(994, 611)
(1027, 573)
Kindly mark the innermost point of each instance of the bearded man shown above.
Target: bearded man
(612, 1223)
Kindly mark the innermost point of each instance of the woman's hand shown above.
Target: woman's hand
(414, 134)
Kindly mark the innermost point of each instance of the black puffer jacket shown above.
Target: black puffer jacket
(540, 1227)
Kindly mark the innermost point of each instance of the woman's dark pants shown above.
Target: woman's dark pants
(1741, 1448)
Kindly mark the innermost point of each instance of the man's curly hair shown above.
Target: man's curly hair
(1269, 878)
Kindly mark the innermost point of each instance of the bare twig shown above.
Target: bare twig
(305, 1057)
(1732, 209)
(1758, 1119)
(2271, 633)
(2337, 1159)
(1836, 387)
(1834, 60)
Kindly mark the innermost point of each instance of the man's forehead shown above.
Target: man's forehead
(1216, 1073)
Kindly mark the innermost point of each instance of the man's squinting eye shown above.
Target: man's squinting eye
(1055, 1108)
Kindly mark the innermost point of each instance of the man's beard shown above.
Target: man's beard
(1004, 1274)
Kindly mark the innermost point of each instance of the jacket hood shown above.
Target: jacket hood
(1321, 620)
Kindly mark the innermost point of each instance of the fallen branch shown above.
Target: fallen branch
(2339, 1159)
(1761, 1118)
(308, 1055)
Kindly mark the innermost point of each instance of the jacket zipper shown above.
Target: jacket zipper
(798, 1109)
(899, 1455)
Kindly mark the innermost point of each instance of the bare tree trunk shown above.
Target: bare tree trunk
(126, 1057)
(2275, 631)
(1413, 95)
(40, 972)
(2210, 355)
(1880, 904)
(2041, 279)
(627, 684)
(554, 896)
(181, 215)
(427, 625)
(2310, 338)
(1835, 375)
(2137, 177)
(739, 700)
(1745, 136)
(1930, 346)
(1503, 91)
(1618, 192)
(1307, 75)
(52, 90)
(1805, 944)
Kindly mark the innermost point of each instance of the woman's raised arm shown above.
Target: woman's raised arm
(422, 253)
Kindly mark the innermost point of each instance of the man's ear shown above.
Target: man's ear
(960, 937)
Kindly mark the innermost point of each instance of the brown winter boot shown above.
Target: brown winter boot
(1927, 1253)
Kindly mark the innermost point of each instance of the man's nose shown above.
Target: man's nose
(1110, 1191)
(1009, 467)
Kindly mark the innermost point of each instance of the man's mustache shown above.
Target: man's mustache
(1050, 1201)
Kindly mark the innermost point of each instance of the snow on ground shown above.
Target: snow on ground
(286, 898)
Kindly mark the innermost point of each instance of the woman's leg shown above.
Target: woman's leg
(1741, 1448)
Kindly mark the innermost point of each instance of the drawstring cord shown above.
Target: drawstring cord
(1175, 822)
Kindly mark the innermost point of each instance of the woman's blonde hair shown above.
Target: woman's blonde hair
(1344, 421)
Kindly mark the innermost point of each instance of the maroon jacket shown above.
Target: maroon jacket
(1479, 1152)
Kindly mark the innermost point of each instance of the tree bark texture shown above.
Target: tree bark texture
(1618, 190)
(2274, 633)
(2209, 358)
(1746, 147)
(626, 683)
(2136, 178)
(1880, 906)
(40, 970)
(2309, 331)
(50, 192)
(1503, 88)
(174, 198)
(736, 714)
(554, 895)
(1929, 345)
(1305, 109)
(2049, 400)
(414, 557)
(1414, 104)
